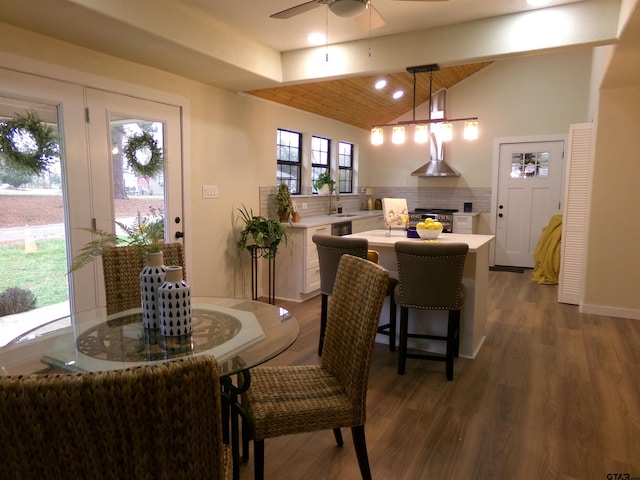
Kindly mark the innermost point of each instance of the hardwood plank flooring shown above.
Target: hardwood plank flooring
(552, 394)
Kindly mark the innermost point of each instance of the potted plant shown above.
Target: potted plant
(324, 179)
(284, 207)
(146, 233)
(261, 232)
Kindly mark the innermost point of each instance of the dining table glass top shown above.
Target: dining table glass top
(239, 333)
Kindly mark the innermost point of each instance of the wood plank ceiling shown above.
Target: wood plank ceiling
(355, 101)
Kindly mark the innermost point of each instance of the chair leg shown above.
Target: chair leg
(323, 321)
(451, 342)
(360, 444)
(404, 327)
(392, 323)
(338, 434)
(456, 350)
(258, 465)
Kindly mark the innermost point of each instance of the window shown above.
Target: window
(345, 167)
(289, 146)
(319, 158)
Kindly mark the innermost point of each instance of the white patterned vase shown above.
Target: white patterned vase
(151, 279)
(174, 303)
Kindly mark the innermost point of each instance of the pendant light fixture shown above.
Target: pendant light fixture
(421, 127)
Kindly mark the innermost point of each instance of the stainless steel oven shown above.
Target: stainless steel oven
(442, 215)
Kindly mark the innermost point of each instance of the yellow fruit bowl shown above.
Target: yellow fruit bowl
(427, 234)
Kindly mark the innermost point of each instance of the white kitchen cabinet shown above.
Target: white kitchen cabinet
(297, 267)
(465, 222)
(366, 224)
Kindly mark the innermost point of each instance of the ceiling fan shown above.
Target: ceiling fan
(341, 8)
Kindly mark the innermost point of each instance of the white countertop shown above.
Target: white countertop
(306, 222)
(379, 238)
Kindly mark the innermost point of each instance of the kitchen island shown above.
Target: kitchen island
(475, 280)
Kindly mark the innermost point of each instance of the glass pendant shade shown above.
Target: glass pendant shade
(421, 133)
(397, 136)
(471, 130)
(377, 137)
(446, 131)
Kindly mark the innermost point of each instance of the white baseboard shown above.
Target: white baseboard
(610, 311)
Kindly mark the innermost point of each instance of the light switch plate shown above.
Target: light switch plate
(209, 191)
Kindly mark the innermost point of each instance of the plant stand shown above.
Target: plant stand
(256, 253)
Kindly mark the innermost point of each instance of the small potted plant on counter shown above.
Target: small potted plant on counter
(284, 207)
(261, 232)
(324, 183)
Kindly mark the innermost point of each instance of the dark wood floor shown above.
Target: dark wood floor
(553, 394)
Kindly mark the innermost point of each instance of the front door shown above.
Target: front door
(529, 193)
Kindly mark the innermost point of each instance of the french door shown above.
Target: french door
(121, 195)
(89, 186)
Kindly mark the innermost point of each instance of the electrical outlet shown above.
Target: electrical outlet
(209, 191)
(304, 205)
(363, 190)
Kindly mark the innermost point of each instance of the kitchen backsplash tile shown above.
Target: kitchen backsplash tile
(425, 197)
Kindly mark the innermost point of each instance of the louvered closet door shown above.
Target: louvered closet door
(576, 213)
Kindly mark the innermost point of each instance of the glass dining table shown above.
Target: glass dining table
(239, 333)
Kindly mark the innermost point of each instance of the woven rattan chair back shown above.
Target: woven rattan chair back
(160, 421)
(352, 325)
(121, 268)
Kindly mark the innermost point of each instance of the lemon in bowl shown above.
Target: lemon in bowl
(429, 229)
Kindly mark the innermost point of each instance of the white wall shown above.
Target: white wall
(534, 95)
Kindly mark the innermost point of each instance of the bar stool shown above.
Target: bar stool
(330, 249)
(430, 278)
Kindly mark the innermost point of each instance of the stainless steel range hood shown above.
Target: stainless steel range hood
(436, 168)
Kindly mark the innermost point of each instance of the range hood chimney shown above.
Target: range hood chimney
(435, 168)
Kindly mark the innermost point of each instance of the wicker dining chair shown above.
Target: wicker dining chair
(430, 278)
(121, 269)
(159, 421)
(330, 249)
(284, 400)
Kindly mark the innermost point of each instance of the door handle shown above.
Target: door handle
(179, 235)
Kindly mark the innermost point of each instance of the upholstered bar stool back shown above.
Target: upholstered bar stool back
(430, 278)
(330, 249)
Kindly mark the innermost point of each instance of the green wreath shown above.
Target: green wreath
(143, 155)
(27, 144)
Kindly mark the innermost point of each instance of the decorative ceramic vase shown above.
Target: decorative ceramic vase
(174, 303)
(151, 278)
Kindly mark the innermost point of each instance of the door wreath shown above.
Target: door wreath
(27, 144)
(143, 155)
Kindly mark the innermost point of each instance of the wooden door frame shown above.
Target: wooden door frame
(497, 143)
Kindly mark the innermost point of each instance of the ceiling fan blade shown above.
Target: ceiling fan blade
(298, 9)
(370, 18)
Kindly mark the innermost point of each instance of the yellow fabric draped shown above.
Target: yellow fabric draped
(547, 253)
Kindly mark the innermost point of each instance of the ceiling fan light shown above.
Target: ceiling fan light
(421, 133)
(397, 136)
(446, 131)
(348, 8)
(377, 137)
(471, 130)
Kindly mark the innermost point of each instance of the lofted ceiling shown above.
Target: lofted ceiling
(356, 102)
